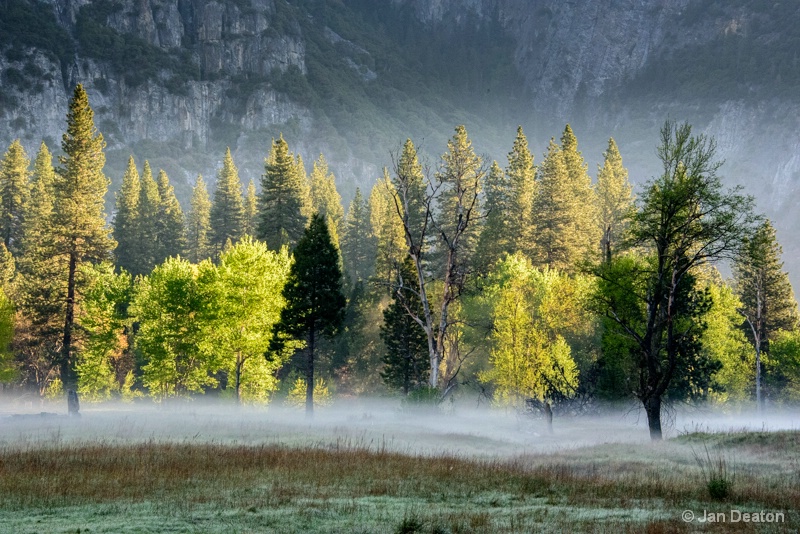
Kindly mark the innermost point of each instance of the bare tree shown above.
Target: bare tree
(439, 219)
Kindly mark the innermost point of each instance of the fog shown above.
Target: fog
(377, 424)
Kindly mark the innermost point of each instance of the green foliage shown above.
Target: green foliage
(14, 193)
(32, 24)
(78, 223)
(199, 224)
(171, 230)
(406, 363)
(325, 199)
(227, 210)
(313, 292)
(495, 234)
(285, 203)
(566, 224)
(782, 366)
(250, 210)
(532, 311)
(146, 225)
(126, 217)
(358, 242)
(297, 395)
(8, 365)
(245, 303)
(169, 306)
(103, 320)
(517, 195)
(614, 196)
(387, 229)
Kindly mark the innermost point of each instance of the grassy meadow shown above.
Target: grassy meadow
(115, 471)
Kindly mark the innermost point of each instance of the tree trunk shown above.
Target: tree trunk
(759, 407)
(68, 379)
(652, 406)
(239, 365)
(310, 375)
(548, 414)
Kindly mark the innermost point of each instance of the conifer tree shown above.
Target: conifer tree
(387, 229)
(766, 293)
(406, 365)
(199, 223)
(285, 202)
(126, 216)
(521, 174)
(78, 223)
(250, 210)
(358, 247)
(325, 199)
(227, 210)
(14, 192)
(41, 275)
(496, 232)
(408, 165)
(171, 228)
(147, 224)
(314, 300)
(567, 231)
(614, 197)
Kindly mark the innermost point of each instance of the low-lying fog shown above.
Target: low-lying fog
(372, 423)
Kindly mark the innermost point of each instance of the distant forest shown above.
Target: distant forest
(523, 283)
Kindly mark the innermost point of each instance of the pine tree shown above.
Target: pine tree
(171, 228)
(250, 210)
(358, 246)
(41, 275)
(496, 233)
(325, 199)
(14, 191)
(405, 363)
(314, 300)
(285, 200)
(227, 211)
(147, 224)
(199, 223)
(127, 213)
(521, 174)
(566, 230)
(766, 293)
(387, 229)
(614, 197)
(78, 222)
(410, 168)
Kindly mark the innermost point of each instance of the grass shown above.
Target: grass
(156, 486)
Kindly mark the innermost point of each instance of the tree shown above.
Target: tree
(79, 229)
(246, 290)
(533, 314)
(14, 192)
(685, 220)
(171, 227)
(199, 224)
(39, 281)
(170, 307)
(358, 245)
(126, 216)
(8, 366)
(325, 199)
(495, 238)
(103, 319)
(614, 197)
(458, 184)
(768, 303)
(386, 229)
(227, 211)
(405, 363)
(250, 210)
(566, 232)
(147, 224)
(314, 300)
(521, 175)
(284, 204)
